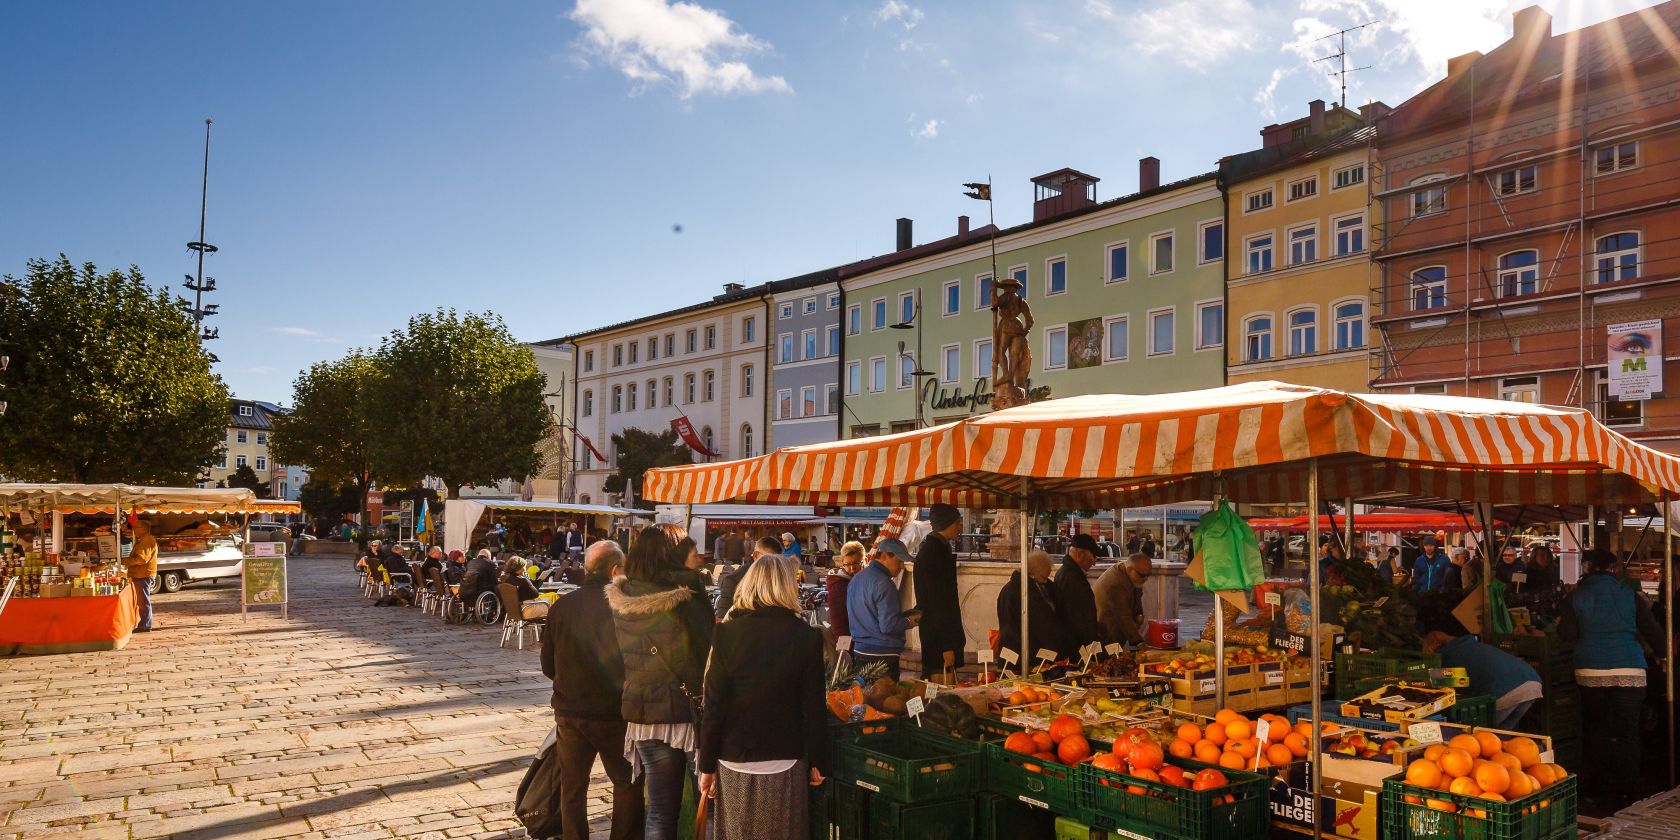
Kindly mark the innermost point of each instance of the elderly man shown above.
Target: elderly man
(1462, 574)
(1119, 594)
(935, 582)
(142, 568)
(878, 622)
(1074, 598)
(768, 546)
(580, 654)
(1044, 629)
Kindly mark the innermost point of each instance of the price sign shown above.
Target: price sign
(1274, 598)
(1380, 601)
(1206, 685)
(1046, 655)
(914, 708)
(1274, 678)
(1114, 648)
(1425, 732)
(932, 692)
(984, 656)
(1519, 577)
(1285, 640)
(843, 643)
(1088, 651)
(1260, 731)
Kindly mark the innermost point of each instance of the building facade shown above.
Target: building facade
(803, 388)
(1127, 296)
(1298, 252)
(250, 422)
(1529, 205)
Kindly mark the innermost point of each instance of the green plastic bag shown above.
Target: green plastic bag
(1229, 550)
(1502, 625)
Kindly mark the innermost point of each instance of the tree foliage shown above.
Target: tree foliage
(458, 398)
(329, 429)
(108, 381)
(325, 501)
(640, 450)
(244, 476)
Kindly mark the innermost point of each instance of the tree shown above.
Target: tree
(457, 398)
(246, 477)
(108, 381)
(640, 450)
(329, 429)
(326, 501)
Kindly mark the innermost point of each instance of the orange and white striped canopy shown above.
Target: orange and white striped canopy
(1251, 441)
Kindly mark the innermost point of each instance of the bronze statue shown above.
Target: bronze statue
(1011, 356)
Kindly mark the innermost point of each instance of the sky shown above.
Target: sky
(573, 164)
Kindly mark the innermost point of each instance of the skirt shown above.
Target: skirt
(773, 806)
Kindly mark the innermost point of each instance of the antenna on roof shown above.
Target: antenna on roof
(1340, 56)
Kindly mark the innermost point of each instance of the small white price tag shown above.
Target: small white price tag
(1088, 711)
(984, 656)
(1274, 678)
(1046, 655)
(1425, 732)
(1547, 757)
(914, 708)
(1260, 731)
(1009, 656)
(843, 643)
(1114, 648)
(1206, 685)
(1519, 577)
(932, 691)
(1381, 601)
(1086, 652)
(1274, 598)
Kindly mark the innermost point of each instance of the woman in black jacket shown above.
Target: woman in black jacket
(1046, 631)
(764, 736)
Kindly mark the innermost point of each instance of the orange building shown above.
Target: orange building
(1530, 200)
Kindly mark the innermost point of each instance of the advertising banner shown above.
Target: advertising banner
(1635, 359)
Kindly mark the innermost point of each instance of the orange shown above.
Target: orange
(1279, 754)
(1493, 777)
(1247, 746)
(1232, 760)
(1468, 743)
(1456, 762)
(1525, 750)
(1109, 762)
(1508, 761)
(1216, 733)
(1018, 699)
(1423, 773)
(1433, 751)
(1494, 796)
(1224, 715)
(1207, 752)
(1467, 787)
(1441, 805)
(1540, 773)
(1297, 744)
(1238, 728)
(1558, 773)
(1304, 728)
(1491, 745)
(1522, 785)
(1189, 732)
(1181, 748)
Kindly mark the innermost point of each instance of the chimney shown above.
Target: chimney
(1149, 173)
(732, 288)
(1531, 25)
(904, 240)
(1458, 65)
(962, 226)
(1315, 116)
(1370, 113)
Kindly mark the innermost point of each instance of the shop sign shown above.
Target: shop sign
(1635, 359)
(973, 400)
(262, 582)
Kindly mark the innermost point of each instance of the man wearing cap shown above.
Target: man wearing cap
(1429, 571)
(877, 621)
(1078, 604)
(1119, 594)
(935, 583)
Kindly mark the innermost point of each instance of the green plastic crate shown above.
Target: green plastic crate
(1165, 812)
(1470, 710)
(950, 819)
(847, 812)
(821, 828)
(1003, 818)
(1547, 814)
(1350, 668)
(910, 765)
(1050, 785)
(1068, 828)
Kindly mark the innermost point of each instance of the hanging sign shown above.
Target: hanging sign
(1635, 359)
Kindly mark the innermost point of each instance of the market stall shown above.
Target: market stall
(465, 523)
(1261, 443)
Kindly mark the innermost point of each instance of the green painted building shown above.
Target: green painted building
(1127, 296)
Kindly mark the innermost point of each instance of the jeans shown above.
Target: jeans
(143, 596)
(1611, 756)
(663, 769)
(579, 743)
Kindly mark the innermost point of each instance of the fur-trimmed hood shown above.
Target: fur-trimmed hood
(637, 598)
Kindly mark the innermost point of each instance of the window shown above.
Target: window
(285, 490)
(1117, 259)
(832, 406)
(1349, 324)
(588, 360)
(950, 362)
(1519, 273)
(262, 463)
(1161, 253)
(810, 305)
(706, 438)
(688, 389)
(238, 461)
(784, 404)
(808, 401)
(1055, 348)
(1524, 389)
(1615, 158)
(1429, 287)
(950, 298)
(833, 341)
(1304, 188)
(1055, 276)
(1436, 388)
(1611, 411)
(1019, 275)
(1516, 181)
(1303, 332)
(1430, 199)
(1257, 338)
(618, 355)
(785, 348)
(983, 291)
(906, 370)
(670, 345)
(688, 340)
(878, 374)
(711, 337)
(1259, 250)
(854, 377)
(907, 308)
(746, 440)
(1348, 176)
(589, 403)
(245, 411)
(653, 393)
(746, 380)
(635, 350)
(243, 436)
(833, 300)
(711, 386)
(1618, 256)
(879, 308)
(653, 348)
(854, 319)
(670, 391)
(222, 464)
(1117, 338)
(785, 312)
(1161, 325)
(1210, 325)
(809, 339)
(749, 329)
(1259, 200)
(630, 397)
(1212, 242)
(1350, 235)
(1303, 245)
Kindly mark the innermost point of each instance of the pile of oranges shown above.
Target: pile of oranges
(1231, 741)
(1137, 754)
(1025, 694)
(1481, 765)
(1065, 742)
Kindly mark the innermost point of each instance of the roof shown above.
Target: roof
(262, 414)
(1247, 165)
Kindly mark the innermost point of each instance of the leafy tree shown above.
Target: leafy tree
(246, 477)
(458, 398)
(325, 501)
(108, 382)
(329, 429)
(640, 450)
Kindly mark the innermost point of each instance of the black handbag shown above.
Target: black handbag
(537, 804)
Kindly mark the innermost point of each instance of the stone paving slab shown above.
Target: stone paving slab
(345, 721)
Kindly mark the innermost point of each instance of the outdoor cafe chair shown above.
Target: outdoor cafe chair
(438, 596)
(513, 617)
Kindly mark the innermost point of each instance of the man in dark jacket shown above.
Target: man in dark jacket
(580, 653)
(732, 578)
(1074, 598)
(935, 582)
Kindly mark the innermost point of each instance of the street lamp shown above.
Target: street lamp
(916, 372)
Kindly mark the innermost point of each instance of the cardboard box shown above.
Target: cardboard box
(1397, 704)
(1352, 789)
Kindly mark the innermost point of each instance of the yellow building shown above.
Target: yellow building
(1298, 252)
(249, 424)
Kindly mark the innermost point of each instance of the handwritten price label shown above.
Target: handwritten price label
(984, 656)
(843, 643)
(1425, 732)
(1009, 656)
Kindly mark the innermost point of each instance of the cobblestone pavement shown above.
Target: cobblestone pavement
(345, 721)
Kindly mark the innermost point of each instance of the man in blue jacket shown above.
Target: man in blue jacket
(874, 611)
(1429, 572)
(1511, 682)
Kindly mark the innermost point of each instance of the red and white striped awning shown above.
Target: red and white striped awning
(1252, 441)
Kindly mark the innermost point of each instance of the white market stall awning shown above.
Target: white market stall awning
(461, 516)
(106, 498)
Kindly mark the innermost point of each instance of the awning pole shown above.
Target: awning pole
(1313, 582)
(1484, 512)
(1668, 628)
(1218, 616)
(1347, 517)
(1026, 589)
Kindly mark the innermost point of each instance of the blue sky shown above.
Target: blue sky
(375, 159)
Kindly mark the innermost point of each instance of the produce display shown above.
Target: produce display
(1482, 765)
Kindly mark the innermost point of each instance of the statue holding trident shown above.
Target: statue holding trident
(1012, 356)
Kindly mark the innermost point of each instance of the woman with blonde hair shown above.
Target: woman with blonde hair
(764, 731)
(849, 563)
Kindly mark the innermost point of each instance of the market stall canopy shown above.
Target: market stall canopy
(106, 498)
(1251, 441)
(461, 516)
(1384, 521)
(276, 506)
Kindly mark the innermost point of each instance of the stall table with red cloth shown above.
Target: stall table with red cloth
(68, 625)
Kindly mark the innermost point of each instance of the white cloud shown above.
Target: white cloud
(656, 41)
(928, 130)
(1266, 97)
(1432, 31)
(893, 10)
(1195, 33)
(304, 332)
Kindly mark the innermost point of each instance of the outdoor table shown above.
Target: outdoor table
(74, 624)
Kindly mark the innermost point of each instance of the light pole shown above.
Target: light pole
(916, 372)
(201, 284)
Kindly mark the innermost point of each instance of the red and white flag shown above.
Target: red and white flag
(586, 442)
(685, 430)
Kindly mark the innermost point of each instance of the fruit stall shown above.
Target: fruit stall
(1257, 443)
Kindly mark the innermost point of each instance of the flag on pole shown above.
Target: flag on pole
(422, 525)
(685, 430)
(979, 191)
(586, 442)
